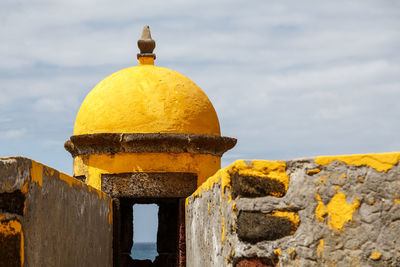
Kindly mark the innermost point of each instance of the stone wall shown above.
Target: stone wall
(324, 211)
(50, 219)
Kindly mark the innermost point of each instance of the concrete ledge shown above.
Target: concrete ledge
(111, 143)
(149, 184)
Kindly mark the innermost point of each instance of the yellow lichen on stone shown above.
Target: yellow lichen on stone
(291, 216)
(320, 210)
(275, 170)
(278, 252)
(234, 206)
(339, 211)
(321, 248)
(380, 162)
(375, 255)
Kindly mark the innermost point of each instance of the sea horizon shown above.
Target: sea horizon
(144, 250)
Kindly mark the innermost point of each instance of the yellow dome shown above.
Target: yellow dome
(147, 99)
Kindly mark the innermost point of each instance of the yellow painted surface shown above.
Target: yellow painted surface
(13, 227)
(375, 255)
(380, 162)
(258, 168)
(291, 251)
(396, 200)
(37, 170)
(147, 99)
(92, 166)
(338, 210)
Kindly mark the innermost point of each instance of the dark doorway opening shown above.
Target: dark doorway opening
(170, 242)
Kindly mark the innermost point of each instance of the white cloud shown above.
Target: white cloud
(12, 133)
(285, 77)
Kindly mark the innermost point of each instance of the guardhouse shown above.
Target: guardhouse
(147, 134)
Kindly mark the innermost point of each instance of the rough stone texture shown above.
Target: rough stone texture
(149, 184)
(111, 143)
(248, 186)
(253, 227)
(369, 238)
(64, 222)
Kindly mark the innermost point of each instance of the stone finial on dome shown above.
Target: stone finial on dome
(146, 44)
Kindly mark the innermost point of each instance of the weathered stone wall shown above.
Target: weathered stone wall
(50, 219)
(327, 211)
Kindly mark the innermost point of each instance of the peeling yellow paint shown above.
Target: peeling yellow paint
(48, 171)
(229, 198)
(380, 162)
(275, 170)
(396, 200)
(338, 210)
(37, 173)
(313, 171)
(337, 187)
(360, 179)
(344, 176)
(291, 216)
(69, 180)
(233, 253)
(291, 251)
(234, 206)
(375, 255)
(24, 188)
(208, 207)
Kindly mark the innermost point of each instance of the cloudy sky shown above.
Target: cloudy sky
(287, 78)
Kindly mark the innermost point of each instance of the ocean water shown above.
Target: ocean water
(142, 251)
